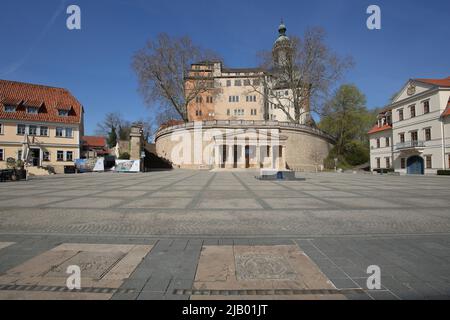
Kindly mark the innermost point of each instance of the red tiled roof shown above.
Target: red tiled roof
(446, 112)
(48, 99)
(93, 141)
(376, 128)
(437, 82)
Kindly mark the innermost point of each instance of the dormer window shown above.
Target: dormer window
(9, 108)
(63, 113)
(32, 110)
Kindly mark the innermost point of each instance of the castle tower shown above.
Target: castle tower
(282, 47)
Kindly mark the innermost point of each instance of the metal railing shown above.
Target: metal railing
(244, 124)
(410, 144)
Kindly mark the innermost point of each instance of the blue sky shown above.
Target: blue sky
(95, 63)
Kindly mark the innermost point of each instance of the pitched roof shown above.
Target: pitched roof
(48, 99)
(436, 82)
(93, 141)
(376, 128)
(446, 112)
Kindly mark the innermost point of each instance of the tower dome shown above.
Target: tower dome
(282, 46)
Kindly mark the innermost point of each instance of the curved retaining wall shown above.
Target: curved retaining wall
(305, 147)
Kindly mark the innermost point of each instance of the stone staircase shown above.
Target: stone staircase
(38, 171)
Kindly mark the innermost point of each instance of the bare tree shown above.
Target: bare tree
(112, 120)
(123, 127)
(162, 68)
(308, 70)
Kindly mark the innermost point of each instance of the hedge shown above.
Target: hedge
(383, 170)
(443, 172)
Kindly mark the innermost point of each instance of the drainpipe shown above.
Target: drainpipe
(443, 143)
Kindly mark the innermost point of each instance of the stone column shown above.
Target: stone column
(230, 156)
(217, 156)
(283, 157)
(242, 160)
(136, 143)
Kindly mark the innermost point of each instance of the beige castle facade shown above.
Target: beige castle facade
(234, 123)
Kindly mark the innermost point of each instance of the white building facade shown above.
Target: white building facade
(412, 135)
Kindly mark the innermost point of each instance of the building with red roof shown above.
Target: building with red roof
(412, 134)
(40, 125)
(93, 147)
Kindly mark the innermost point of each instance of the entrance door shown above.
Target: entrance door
(415, 165)
(224, 156)
(35, 157)
(247, 157)
(235, 156)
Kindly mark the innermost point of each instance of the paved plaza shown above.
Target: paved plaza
(225, 235)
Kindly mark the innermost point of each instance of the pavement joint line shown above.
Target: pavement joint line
(261, 202)
(115, 208)
(338, 267)
(399, 199)
(196, 199)
(216, 236)
(264, 292)
(108, 190)
(337, 206)
(145, 196)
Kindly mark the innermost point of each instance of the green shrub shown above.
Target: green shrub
(124, 156)
(443, 172)
(384, 170)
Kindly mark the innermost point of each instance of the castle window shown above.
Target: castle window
(43, 131)
(428, 162)
(228, 83)
(426, 107)
(400, 115)
(246, 82)
(32, 110)
(32, 130)
(69, 132)
(10, 108)
(59, 132)
(256, 82)
(21, 129)
(412, 110)
(237, 83)
(63, 113)
(427, 134)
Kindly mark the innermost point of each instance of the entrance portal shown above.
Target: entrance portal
(35, 157)
(415, 165)
(247, 157)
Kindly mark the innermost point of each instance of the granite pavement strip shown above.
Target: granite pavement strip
(225, 235)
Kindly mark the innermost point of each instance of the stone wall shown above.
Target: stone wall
(305, 147)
